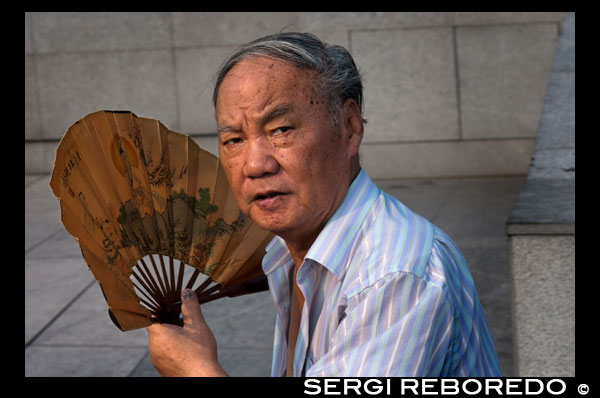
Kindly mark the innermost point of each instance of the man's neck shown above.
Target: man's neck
(300, 245)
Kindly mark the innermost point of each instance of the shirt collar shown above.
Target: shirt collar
(335, 241)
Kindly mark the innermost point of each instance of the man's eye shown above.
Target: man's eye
(232, 141)
(281, 130)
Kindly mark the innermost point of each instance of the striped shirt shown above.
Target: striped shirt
(386, 293)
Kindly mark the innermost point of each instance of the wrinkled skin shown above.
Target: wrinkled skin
(298, 152)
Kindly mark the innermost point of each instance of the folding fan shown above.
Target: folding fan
(136, 197)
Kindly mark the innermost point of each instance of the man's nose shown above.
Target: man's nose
(259, 158)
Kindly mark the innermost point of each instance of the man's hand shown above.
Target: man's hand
(190, 350)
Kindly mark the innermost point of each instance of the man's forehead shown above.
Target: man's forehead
(262, 76)
(263, 89)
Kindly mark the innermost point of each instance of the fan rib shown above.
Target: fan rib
(145, 291)
(159, 297)
(147, 285)
(160, 281)
(165, 279)
(161, 278)
(193, 279)
(172, 279)
(203, 286)
(180, 277)
(150, 289)
(209, 298)
(170, 282)
(153, 307)
(154, 310)
(210, 290)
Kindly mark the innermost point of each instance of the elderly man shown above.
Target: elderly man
(363, 286)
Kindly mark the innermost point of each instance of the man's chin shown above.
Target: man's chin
(270, 221)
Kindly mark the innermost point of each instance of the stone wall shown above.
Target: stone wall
(541, 229)
(446, 94)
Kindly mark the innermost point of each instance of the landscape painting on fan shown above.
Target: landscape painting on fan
(176, 236)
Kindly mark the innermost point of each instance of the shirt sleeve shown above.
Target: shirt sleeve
(401, 325)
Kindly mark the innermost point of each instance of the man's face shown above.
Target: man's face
(286, 161)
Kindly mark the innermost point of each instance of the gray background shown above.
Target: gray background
(447, 94)
(456, 103)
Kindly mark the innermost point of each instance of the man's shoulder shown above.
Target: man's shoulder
(393, 239)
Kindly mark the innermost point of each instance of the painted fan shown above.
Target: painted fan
(138, 197)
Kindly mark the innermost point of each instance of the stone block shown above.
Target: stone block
(423, 196)
(476, 211)
(28, 34)
(144, 368)
(196, 72)
(50, 285)
(564, 60)
(32, 120)
(541, 230)
(544, 206)
(237, 362)
(87, 323)
(503, 74)
(69, 361)
(242, 322)
(410, 86)
(227, 28)
(100, 31)
(492, 18)
(373, 20)
(60, 244)
(555, 163)
(246, 362)
(543, 272)
(244, 329)
(557, 123)
(447, 159)
(39, 157)
(42, 213)
(76, 84)
(334, 27)
(31, 179)
(330, 27)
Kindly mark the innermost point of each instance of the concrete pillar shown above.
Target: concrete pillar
(541, 230)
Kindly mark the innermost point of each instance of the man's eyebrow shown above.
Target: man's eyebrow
(224, 128)
(274, 113)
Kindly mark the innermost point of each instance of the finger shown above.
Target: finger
(190, 309)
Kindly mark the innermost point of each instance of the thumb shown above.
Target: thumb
(190, 309)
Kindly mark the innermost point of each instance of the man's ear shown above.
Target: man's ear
(353, 124)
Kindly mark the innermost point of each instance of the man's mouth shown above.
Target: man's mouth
(269, 200)
(267, 195)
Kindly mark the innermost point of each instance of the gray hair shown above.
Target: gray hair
(337, 77)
